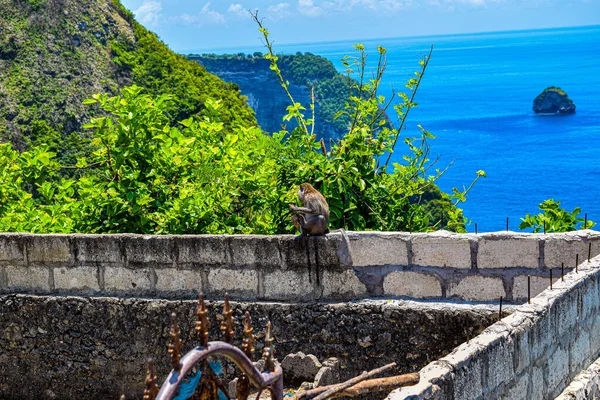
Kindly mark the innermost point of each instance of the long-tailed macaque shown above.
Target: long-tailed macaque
(313, 217)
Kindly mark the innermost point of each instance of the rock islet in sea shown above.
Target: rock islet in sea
(553, 101)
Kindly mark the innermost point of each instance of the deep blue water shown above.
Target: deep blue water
(476, 97)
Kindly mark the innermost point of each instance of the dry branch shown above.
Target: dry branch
(360, 384)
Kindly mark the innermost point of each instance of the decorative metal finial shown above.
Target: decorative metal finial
(151, 387)
(249, 339)
(227, 321)
(175, 344)
(269, 350)
(202, 322)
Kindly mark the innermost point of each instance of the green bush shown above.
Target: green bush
(555, 219)
(147, 174)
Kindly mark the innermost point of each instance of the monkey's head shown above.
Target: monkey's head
(305, 189)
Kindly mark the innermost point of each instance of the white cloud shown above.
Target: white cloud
(308, 8)
(279, 11)
(207, 16)
(317, 8)
(212, 16)
(238, 10)
(148, 13)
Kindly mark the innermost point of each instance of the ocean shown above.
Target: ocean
(476, 98)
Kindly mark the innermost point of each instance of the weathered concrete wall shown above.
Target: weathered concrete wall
(336, 267)
(585, 386)
(75, 347)
(532, 354)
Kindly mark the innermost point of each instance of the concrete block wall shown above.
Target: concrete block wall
(466, 266)
(532, 354)
(338, 266)
(585, 386)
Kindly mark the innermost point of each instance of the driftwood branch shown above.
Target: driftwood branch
(379, 384)
(360, 384)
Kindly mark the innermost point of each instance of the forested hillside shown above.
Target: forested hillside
(304, 71)
(56, 53)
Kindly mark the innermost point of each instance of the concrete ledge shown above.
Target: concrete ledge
(282, 268)
(585, 385)
(533, 353)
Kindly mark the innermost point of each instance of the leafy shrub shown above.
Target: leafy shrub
(555, 219)
(147, 174)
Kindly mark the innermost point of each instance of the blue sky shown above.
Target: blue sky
(206, 26)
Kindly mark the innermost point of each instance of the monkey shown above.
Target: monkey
(313, 217)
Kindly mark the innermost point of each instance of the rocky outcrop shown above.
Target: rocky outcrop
(269, 100)
(553, 100)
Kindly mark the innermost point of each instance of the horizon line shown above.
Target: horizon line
(207, 51)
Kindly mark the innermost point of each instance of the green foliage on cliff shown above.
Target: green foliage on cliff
(53, 57)
(306, 70)
(148, 175)
(205, 174)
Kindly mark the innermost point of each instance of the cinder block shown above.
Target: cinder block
(558, 368)
(542, 331)
(12, 248)
(538, 386)
(579, 351)
(240, 283)
(538, 285)
(206, 250)
(518, 389)
(591, 298)
(255, 250)
(342, 285)
(98, 249)
(595, 338)
(120, 280)
(499, 349)
(468, 371)
(521, 339)
(287, 285)
(565, 311)
(43, 249)
(411, 284)
(508, 250)
(321, 250)
(178, 281)
(77, 278)
(31, 279)
(477, 288)
(442, 249)
(562, 248)
(381, 248)
(148, 249)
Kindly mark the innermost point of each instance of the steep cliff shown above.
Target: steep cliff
(56, 53)
(268, 99)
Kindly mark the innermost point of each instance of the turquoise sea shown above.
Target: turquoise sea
(476, 97)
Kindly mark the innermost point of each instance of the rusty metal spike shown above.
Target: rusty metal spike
(202, 322)
(249, 339)
(151, 387)
(269, 350)
(227, 321)
(175, 343)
